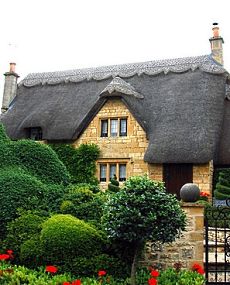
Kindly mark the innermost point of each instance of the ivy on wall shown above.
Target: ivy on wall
(80, 162)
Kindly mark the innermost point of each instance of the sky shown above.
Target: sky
(54, 35)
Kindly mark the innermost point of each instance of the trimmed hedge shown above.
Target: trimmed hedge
(18, 190)
(64, 237)
(222, 189)
(26, 226)
(83, 204)
(41, 161)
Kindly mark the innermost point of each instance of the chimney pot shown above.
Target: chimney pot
(12, 67)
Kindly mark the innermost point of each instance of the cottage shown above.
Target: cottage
(168, 118)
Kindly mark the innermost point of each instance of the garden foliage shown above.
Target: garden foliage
(222, 189)
(142, 211)
(80, 162)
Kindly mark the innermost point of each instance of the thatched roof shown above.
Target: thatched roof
(180, 103)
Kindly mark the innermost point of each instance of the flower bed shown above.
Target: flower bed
(10, 275)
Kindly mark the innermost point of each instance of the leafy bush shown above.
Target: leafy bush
(64, 237)
(80, 161)
(83, 203)
(41, 161)
(23, 228)
(18, 189)
(3, 135)
(141, 211)
(83, 266)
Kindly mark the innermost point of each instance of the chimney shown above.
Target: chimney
(10, 87)
(216, 45)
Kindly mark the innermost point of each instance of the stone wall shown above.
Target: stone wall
(203, 175)
(187, 250)
(129, 149)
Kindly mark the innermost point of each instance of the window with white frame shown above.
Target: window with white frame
(110, 169)
(114, 127)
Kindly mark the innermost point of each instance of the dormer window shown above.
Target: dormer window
(35, 133)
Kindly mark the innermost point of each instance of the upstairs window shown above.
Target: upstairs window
(35, 133)
(104, 128)
(123, 127)
(114, 127)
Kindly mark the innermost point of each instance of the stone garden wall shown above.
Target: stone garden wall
(187, 250)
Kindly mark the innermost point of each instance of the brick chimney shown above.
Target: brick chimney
(10, 87)
(216, 45)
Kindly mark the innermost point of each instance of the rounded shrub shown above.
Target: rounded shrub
(31, 252)
(18, 190)
(64, 237)
(83, 203)
(41, 161)
(27, 225)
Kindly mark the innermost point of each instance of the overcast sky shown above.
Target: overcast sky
(51, 35)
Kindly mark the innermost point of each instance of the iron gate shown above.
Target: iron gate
(217, 244)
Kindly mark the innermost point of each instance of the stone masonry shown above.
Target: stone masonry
(129, 149)
(187, 250)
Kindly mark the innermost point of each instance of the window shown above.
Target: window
(122, 172)
(35, 133)
(123, 127)
(103, 172)
(114, 127)
(114, 169)
(104, 128)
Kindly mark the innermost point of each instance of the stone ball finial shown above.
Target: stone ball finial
(189, 192)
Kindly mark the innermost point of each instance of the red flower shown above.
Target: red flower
(10, 251)
(101, 273)
(66, 283)
(154, 273)
(152, 281)
(51, 269)
(4, 256)
(198, 268)
(76, 282)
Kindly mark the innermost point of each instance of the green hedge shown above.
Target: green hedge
(27, 225)
(64, 237)
(41, 161)
(82, 203)
(222, 188)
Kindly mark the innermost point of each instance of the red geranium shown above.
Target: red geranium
(154, 273)
(4, 256)
(152, 281)
(66, 283)
(51, 269)
(76, 282)
(198, 268)
(101, 273)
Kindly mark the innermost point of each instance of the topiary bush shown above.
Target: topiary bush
(80, 162)
(41, 161)
(18, 190)
(64, 237)
(113, 186)
(222, 189)
(142, 211)
(27, 225)
(83, 203)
